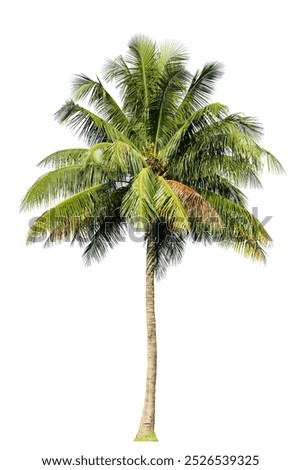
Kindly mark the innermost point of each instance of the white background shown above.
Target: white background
(72, 339)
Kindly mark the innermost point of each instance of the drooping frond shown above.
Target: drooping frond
(138, 204)
(83, 229)
(86, 124)
(93, 90)
(241, 230)
(237, 169)
(273, 164)
(199, 120)
(232, 214)
(107, 235)
(203, 219)
(68, 213)
(249, 248)
(210, 131)
(169, 207)
(201, 88)
(59, 184)
(169, 247)
(118, 71)
(220, 148)
(246, 125)
(117, 158)
(63, 158)
(222, 186)
(195, 205)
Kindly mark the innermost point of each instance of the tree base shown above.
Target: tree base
(151, 436)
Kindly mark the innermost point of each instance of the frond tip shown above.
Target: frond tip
(64, 157)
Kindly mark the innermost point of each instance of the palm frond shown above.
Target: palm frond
(222, 186)
(82, 228)
(139, 84)
(220, 148)
(118, 71)
(64, 157)
(183, 137)
(273, 164)
(169, 247)
(249, 248)
(195, 205)
(117, 158)
(241, 230)
(247, 125)
(109, 233)
(169, 207)
(68, 213)
(201, 88)
(86, 124)
(58, 184)
(93, 90)
(162, 111)
(237, 169)
(138, 204)
(141, 59)
(172, 53)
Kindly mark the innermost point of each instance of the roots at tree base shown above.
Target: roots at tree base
(151, 436)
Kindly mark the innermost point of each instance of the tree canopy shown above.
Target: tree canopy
(161, 157)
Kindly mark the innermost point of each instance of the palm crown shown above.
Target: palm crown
(165, 161)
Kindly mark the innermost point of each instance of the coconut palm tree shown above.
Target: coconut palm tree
(165, 161)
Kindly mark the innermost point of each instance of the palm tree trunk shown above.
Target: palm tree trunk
(146, 430)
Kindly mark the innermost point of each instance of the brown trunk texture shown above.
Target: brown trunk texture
(147, 423)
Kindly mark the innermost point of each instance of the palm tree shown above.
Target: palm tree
(164, 161)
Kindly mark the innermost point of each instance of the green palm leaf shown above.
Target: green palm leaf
(141, 57)
(119, 71)
(89, 126)
(273, 164)
(118, 158)
(172, 84)
(68, 214)
(170, 208)
(194, 204)
(185, 132)
(107, 235)
(138, 204)
(241, 230)
(59, 184)
(172, 53)
(222, 186)
(169, 247)
(85, 88)
(64, 157)
(201, 88)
